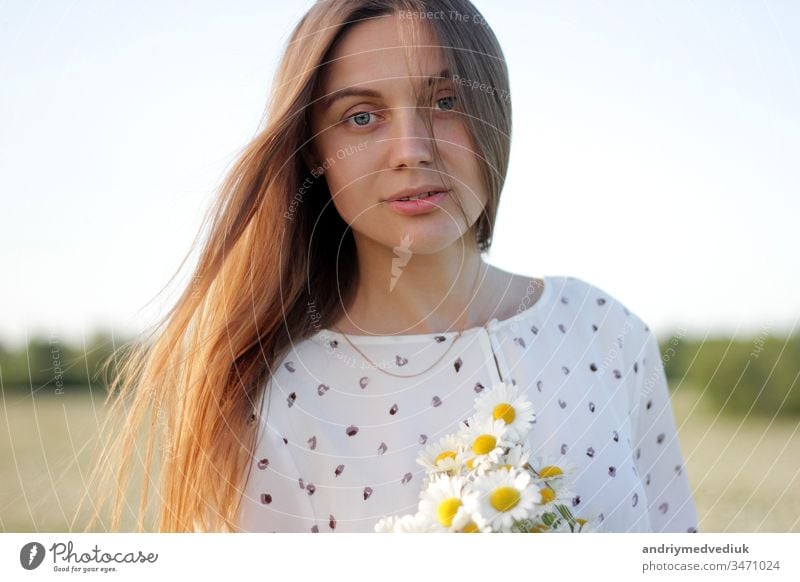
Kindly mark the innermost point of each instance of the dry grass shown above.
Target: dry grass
(47, 449)
(744, 472)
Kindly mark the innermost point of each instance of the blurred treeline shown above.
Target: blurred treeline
(756, 376)
(48, 365)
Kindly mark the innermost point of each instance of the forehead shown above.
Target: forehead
(375, 49)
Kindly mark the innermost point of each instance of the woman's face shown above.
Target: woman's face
(374, 145)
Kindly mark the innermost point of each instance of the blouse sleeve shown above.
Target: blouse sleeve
(657, 453)
(275, 499)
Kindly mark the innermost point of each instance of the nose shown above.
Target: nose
(410, 140)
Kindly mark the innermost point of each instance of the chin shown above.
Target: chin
(423, 239)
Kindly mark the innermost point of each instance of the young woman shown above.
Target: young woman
(341, 317)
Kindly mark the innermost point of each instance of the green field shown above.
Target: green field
(744, 472)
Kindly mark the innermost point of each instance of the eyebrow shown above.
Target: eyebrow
(328, 101)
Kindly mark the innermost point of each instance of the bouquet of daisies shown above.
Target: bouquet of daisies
(482, 479)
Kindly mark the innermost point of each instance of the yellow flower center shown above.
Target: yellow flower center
(447, 511)
(581, 521)
(550, 471)
(505, 411)
(504, 498)
(444, 455)
(469, 464)
(484, 444)
(506, 466)
(471, 527)
(547, 494)
(540, 528)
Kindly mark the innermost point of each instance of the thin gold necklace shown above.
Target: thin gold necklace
(374, 365)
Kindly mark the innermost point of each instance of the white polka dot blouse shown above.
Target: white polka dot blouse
(338, 439)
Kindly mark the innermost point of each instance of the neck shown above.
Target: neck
(402, 292)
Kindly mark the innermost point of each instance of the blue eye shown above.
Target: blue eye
(361, 115)
(452, 99)
(362, 118)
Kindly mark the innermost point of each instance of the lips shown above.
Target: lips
(418, 206)
(417, 197)
(414, 193)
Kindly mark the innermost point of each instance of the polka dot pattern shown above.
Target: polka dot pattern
(338, 439)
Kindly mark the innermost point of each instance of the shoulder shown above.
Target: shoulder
(625, 333)
(292, 373)
(590, 298)
(614, 328)
(308, 368)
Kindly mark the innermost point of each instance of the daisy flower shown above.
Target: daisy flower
(484, 441)
(553, 494)
(476, 524)
(441, 456)
(504, 402)
(516, 457)
(448, 502)
(506, 496)
(410, 523)
(386, 524)
(551, 468)
(416, 523)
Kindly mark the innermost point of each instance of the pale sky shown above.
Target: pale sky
(655, 152)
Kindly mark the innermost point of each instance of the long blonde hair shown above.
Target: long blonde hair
(192, 386)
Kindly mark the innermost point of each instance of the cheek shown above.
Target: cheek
(464, 165)
(350, 205)
(458, 149)
(349, 183)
